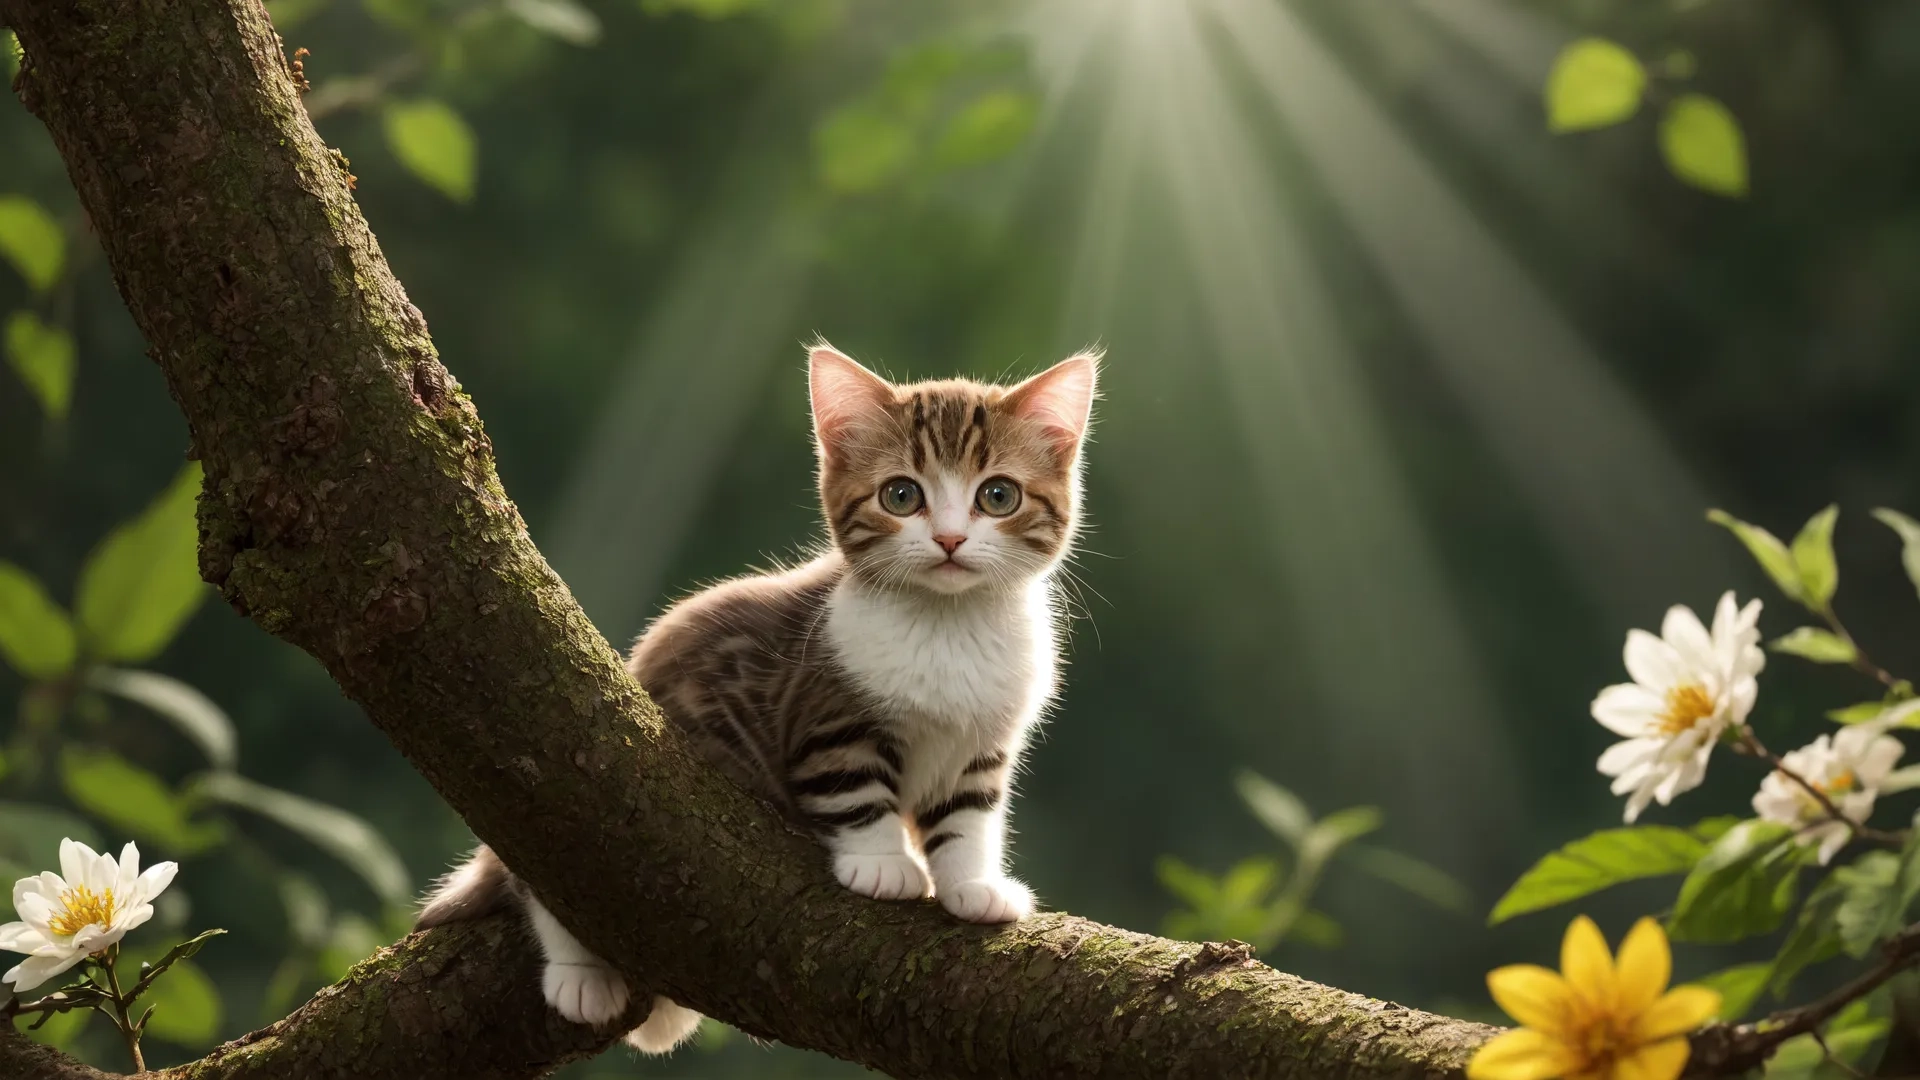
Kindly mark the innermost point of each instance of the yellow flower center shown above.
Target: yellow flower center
(1686, 706)
(1839, 785)
(80, 908)
(1602, 1040)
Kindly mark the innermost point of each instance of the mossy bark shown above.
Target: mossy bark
(458, 1004)
(352, 508)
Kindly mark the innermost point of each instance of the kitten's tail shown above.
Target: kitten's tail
(479, 886)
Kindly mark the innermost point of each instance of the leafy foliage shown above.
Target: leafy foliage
(31, 240)
(1594, 83)
(36, 637)
(1264, 901)
(43, 357)
(143, 581)
(435, 144)
(1607, 858)
(1744, 885)
(1703, 145)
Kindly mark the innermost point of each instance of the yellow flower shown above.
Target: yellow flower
(1595, 1019)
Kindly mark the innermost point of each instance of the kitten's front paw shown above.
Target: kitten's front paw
(883, 877)
(988, 900)
(585, 993)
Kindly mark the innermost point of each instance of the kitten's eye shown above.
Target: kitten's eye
(999, 497)
(901, 497)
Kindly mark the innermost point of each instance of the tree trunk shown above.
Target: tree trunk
(351, 507)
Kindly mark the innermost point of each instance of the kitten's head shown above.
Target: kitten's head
(952, 485)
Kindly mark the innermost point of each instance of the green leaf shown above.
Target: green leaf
(990, 127)
(1815, 937)
(1819, 646)
(131, 799)
(435, 144)
(1813, 558)
(36, 637)
(143, 581)
(61, 1029)
(1901, 780)
(195, 714)
(1768, 551)
(563, 19)
(1422, 879)
(1280, 810)
(1909, 531)
(12, 45)
(1249, 882)
(32, 241)
(1191, 885)
(1743, 886)
(186, 1007)
(1594, 84)
(860, 148)
(1857, 714)
(345, 836)
(1738, 986)
(42, 356)
(1703, 145)
(30, 837)
(1880, 891)
(152, 970)
(1847, 1038)
(1607, 858)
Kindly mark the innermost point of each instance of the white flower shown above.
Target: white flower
(1848, 768)
(1689, 686)
(89, 905)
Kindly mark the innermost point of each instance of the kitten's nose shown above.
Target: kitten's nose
(950, 543)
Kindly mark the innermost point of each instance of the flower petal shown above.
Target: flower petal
(47, 886)
(1621, 757)
(74, 857)
(128, 871)
(1659, 1061)
(1537, 997)
(1690, 640)
(35, 970)
(1627, 709)
(1653, 663)
(35, 909)
(1522, 1055)
(1645, 965)
(131, 918)
(102, 873)
(20, 937)
(1678, 1011)
(1586, 963)
(154, 881)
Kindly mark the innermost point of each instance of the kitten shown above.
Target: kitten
(882, 693)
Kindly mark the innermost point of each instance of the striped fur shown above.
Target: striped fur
(880, 694)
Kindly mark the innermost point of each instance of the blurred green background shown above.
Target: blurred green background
(1413, 407)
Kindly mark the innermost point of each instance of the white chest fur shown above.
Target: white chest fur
(980, 661)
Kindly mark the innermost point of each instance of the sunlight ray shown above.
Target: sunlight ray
(1359, 575)
(1619, 502)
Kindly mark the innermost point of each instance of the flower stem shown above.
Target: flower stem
(120, 1003)
(1860, 661)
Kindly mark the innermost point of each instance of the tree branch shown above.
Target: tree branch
(454, 1004)
(352, 508)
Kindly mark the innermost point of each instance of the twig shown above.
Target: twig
(1731, 1049)
(1859, 662)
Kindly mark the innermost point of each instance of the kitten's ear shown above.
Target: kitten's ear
(1060, 399)
(843, 392)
